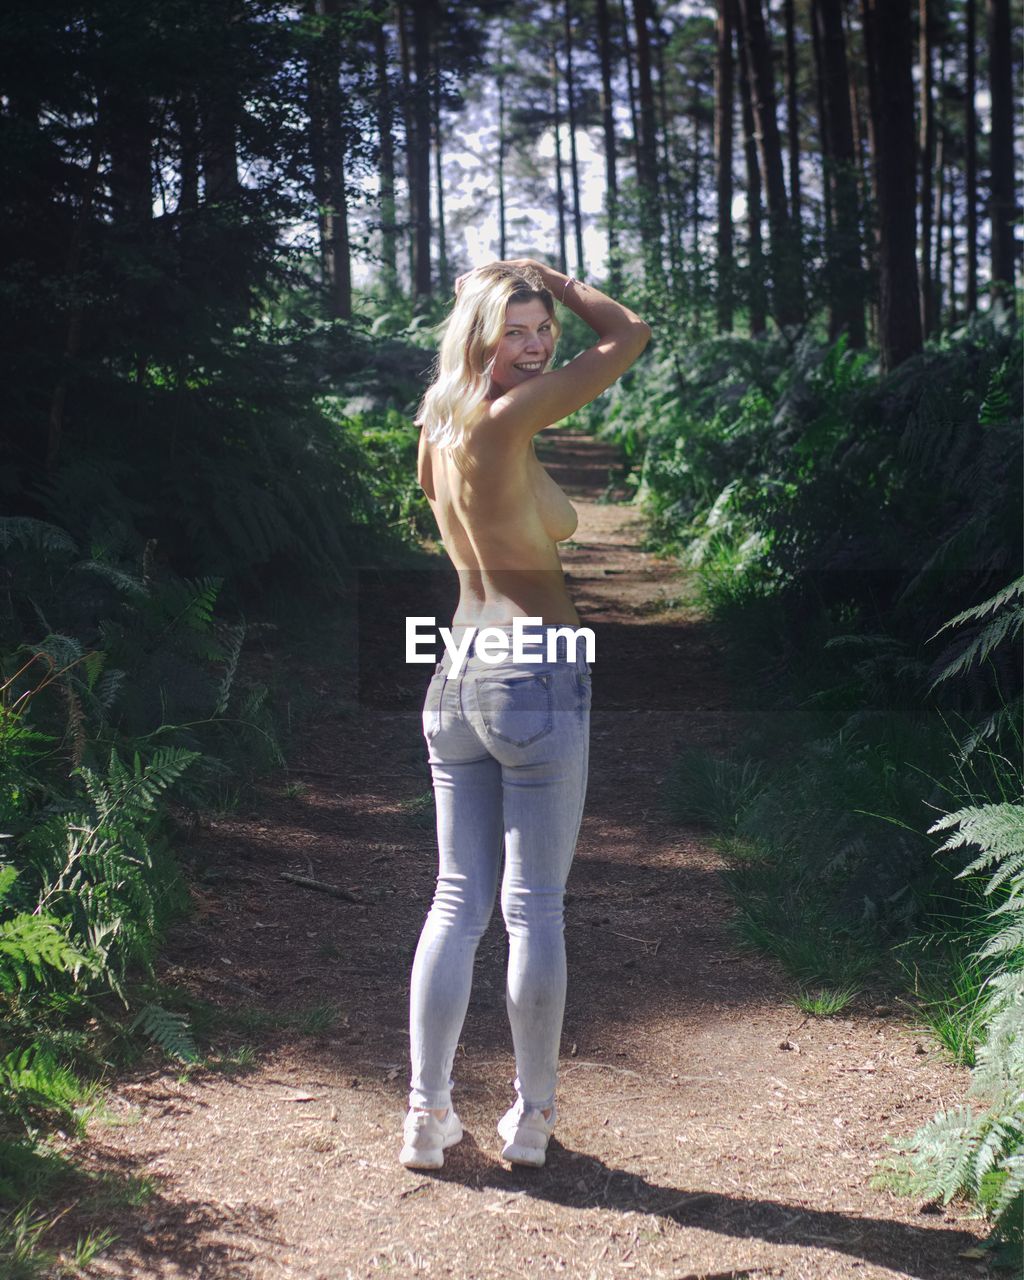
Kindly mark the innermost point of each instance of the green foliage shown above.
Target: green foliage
(171, 1031)
(857, 514)
(981, 1155)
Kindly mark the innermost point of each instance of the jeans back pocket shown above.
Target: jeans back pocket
(515, 708)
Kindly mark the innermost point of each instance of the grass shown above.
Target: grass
(23, 1257)
(711, 790)
(825, 1002)
(420, 810)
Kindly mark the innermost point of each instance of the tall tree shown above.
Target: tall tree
(423, 22)
(723, 161)
(556, 118)
(926, 115)
(385, 134)
(787, 288)
(574, 164)
(188, 152)
(630, 62)
(647, 147)
(756, 300)
(845, 272)
(502, 148)
(971, 156)
(1001, 189)
(402, 23)
(889, 43)
(610, 147)
(669, 196)
(442, 238)
(126, 124)
(792, 114)
(327, 145)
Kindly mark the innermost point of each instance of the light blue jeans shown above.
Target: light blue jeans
(508, 746)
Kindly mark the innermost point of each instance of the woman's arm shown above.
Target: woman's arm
(621, 337)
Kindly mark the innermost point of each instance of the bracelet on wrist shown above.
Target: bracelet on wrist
(571, 280)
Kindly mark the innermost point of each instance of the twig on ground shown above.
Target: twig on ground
(307, 882)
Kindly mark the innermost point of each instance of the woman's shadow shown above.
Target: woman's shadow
(580, 1181)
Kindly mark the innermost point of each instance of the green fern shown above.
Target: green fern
(1005, 625)
(998, 829)
(235, 637)
(30, 944)
(34, 534)
(171, 1031)
(32, 1077)
(958, 1152)
(995, 408)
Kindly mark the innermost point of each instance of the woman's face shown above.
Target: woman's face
(526, 346)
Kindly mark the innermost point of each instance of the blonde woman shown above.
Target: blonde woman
(507, 741)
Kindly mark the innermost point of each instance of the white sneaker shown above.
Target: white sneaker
(526, 1135)
(426, 1138)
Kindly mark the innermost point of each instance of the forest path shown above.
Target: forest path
(706, 1127)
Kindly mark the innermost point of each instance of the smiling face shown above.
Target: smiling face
(527, 345)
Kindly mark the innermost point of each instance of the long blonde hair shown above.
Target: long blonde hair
(469, 343)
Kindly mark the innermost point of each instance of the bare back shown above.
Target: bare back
(500, 516)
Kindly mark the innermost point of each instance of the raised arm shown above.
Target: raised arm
(524, 410)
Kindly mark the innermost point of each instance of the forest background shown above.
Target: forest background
(229, 230)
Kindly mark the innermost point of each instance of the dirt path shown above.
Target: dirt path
(706, 1126)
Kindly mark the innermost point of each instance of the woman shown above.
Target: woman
(507, 741)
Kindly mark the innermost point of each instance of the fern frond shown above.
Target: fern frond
(37, 534)
(236, 638)
(997, 828)
(30, 943)
(171, 1031)
(124, 582)
(1009, 1205)
(995, 407)
(1004, 626)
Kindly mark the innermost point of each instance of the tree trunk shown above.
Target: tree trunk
(971, 159)
(953, 313)
(792, 115)
(411, 148)
(888, 33)
(502, 221)
(941, 187)
(385, 122)
(73, 338)
(610, 157)
(669, 188)
(442, 239)
(695, 190)
(845, 271)
(926, 41)
(422, 27)
(574, 164)
(556, 117)
(647, 149)
(634, 110)
(723, 162)
(188, 152)
(940, 221)
(328, 150)
(869, 84)
(218, 111)
(1001, 190)
(827, 215)
(755, 254)
(787, 288)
